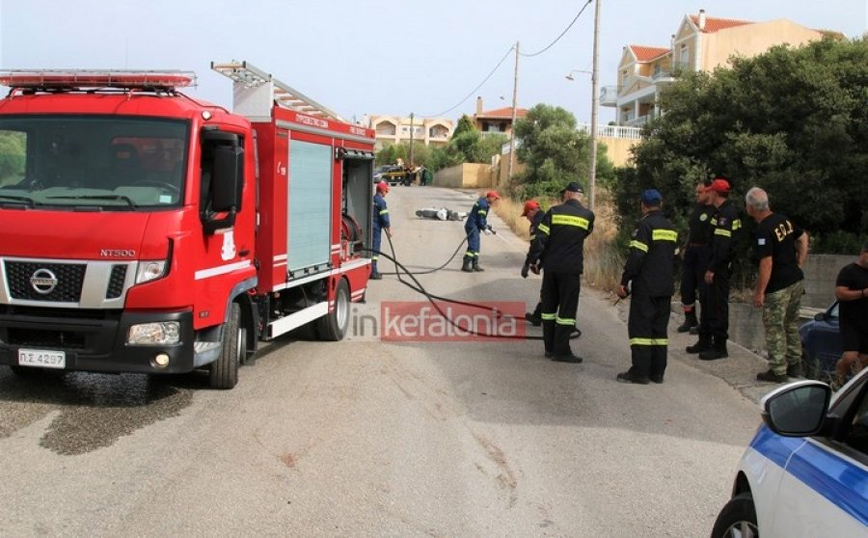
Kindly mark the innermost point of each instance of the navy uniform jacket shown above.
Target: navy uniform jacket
(477, 218)
(381, 213)
(652, 253)
(725, 224)
(700, 224)
(560, 238)
(534, 224)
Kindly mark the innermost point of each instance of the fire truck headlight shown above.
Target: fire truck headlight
(150, 270)
(159, 333)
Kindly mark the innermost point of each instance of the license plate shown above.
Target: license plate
(41, 358)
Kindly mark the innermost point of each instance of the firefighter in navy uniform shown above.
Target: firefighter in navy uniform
(559, 243)
(534, 214)
(477, 223)
(649, 275)
(381, 222)
(696, 254)
(726, 224)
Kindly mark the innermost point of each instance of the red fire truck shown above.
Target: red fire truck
(143, 230)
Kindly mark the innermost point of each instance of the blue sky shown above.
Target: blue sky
(362, 57)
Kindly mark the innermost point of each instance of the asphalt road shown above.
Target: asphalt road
(366, 437)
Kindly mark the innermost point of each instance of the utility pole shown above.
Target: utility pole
(595, 103)
(411, 140)
(512, 128)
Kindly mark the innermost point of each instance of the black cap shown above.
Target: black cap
(573, 186)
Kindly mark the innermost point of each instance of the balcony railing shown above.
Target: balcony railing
(609, 96)
(613, 131)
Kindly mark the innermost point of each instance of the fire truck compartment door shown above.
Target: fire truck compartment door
(309, 205)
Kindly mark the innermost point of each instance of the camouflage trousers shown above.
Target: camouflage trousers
(781, 322)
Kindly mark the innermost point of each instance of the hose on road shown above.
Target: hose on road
(417, 286)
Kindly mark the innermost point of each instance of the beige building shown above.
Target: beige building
(701, 43)
(395, 130)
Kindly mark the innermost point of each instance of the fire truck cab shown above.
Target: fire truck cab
(142, 230)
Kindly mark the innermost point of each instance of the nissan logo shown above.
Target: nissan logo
(43, 281)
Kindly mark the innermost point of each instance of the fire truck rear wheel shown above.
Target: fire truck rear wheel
(333, 326)
(224, 371)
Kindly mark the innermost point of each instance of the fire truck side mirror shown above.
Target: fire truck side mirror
(227, 182)
(227, 179)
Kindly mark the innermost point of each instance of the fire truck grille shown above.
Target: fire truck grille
(116, 282)
(67, 280)
(46, 339)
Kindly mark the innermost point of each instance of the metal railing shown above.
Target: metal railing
(613, 131)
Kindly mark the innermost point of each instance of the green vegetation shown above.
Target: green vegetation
(467, 145)
(792, 121)
(554, 153)
(13, 146)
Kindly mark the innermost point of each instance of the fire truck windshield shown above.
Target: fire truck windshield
(112, 163)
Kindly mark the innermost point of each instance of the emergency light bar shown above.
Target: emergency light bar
(57, 78)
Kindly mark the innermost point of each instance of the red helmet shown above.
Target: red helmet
(492, 194)
(382, 187)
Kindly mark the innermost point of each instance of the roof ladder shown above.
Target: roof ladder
(248, 76)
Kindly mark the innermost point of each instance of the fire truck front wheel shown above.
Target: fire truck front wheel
(224, 371)
(333, 326)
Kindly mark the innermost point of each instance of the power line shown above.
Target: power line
(469, 95)
(562, 33)
(550, 45)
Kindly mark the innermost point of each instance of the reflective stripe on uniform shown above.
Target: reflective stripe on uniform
(383, 212)
(543, 228)
(565, 321)
(649, 341)
(639, 245)
(664, 235)
(569, 220)
(548, 317)
(736, 224)
(721, 231)
(482, 212)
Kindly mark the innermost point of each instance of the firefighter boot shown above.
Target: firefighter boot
(716, 352)
(467, 267)
(375, 275)
(704, 344)
(690, 321)
(535, 317)
(476, 265)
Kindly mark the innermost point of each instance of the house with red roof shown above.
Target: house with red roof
(701, 43)
(498, 120)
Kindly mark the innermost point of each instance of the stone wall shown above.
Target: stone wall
(745, 321)
(821, 270)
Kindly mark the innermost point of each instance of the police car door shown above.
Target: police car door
(824, 491)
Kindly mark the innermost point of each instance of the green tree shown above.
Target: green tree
(390, 153)
(12, 151)
(554, 153)
(465, 124)
(793, 121)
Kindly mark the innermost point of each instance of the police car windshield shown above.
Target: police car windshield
(107, 163)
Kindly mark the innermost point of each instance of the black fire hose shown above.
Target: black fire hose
(417, 287)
